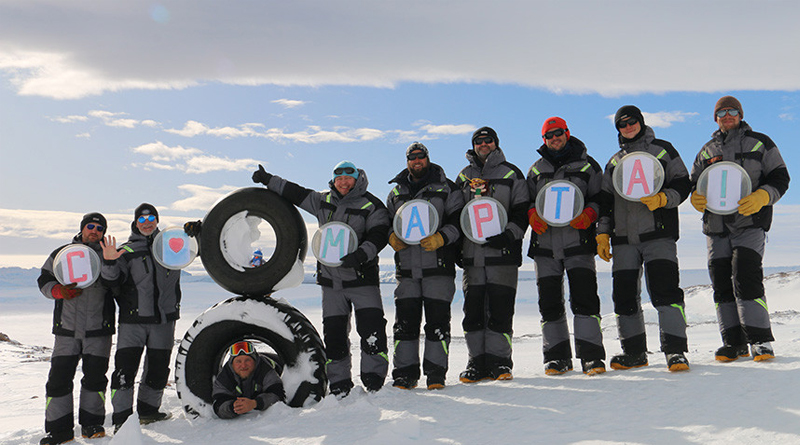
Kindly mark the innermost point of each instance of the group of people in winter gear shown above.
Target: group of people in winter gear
(638, 236)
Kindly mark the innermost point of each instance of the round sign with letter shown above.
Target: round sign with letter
(173, 248)
(78, 264)
(483, 217)
(559, 202)
(637, 175)
(332, 241)
(724, 184)
(414, 220)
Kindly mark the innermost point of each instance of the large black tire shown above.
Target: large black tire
(291, 244)
(275, 323)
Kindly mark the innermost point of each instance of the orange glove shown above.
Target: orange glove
(584, 220)
(67, 292)
(396, 243)
(699, 202)
(432, 242)
(604, 246)
(537, 223)
(753, 202)
(655, 202)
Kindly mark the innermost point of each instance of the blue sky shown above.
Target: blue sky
(104, 105)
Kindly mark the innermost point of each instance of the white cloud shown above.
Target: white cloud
(662, 119)
(159, 151)
(206, 164)
(786, 117)
(448, 130)
(289, 103)
(70, 119)
(200, 197)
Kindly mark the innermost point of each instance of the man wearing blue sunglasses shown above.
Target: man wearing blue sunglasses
(149, 296)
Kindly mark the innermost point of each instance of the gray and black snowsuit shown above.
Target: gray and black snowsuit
(490, 275)
(736, 242)
(83, 327)
(638, 237)
(561, 249)
(346, 288)
(149, 296)
(425, 280)
(263, 385)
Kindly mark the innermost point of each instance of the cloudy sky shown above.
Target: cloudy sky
(104, 105)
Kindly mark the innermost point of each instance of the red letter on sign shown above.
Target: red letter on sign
(72, 278)
(480, 219)
(637, 177)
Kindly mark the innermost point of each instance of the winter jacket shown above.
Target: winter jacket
(506, 183)
(91, 314)
(359, 209)
(443, 194)
(759, 156)
(580, 169)
(631, 222)
(146, 292)
(263, 385)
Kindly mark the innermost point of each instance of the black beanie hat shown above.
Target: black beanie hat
(96, 218)
(627, 112)
(145, 209)
(486, 131)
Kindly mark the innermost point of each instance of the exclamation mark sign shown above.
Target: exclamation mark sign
(724, 190)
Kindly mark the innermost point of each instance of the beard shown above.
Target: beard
(421, 173)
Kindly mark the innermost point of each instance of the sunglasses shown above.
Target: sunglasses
(731, 112)
(420, 155)
(143, 218)
(479, 141)
(625, 123)
(344, 171)
(95, 226)
(555, 133)
(241, 347)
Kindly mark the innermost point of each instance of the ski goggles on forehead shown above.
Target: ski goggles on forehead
(241, 347)
(344, 171)
(95, 226)
(144, 218)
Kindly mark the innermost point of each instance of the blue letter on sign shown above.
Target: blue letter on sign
(415, 221)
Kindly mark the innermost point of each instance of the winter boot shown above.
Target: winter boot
(93, 431)
(146, 419)
(56, 437)
(558, 367)
(473, 375)
(342, 388)
(729, 353)
(404, 382)
(628, 361)
(501, 372)
(762, 351)
(593, 367)
(435, 382)
(372, 382)
(677, 362)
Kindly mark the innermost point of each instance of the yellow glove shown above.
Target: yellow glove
(604, 246)
(655, 202)
(433, 242)
(698, 201)
(753, 202)
(396, 243)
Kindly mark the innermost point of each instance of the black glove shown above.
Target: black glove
(261, 175)
(355, 259)
(192, 228)
(500, 241)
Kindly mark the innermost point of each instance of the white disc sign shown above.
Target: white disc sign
(724, 184)
(483, 217)
(77, 263)
(414, 220)
(174, 249)
(332, 241)
(637, 175)
(559, 202)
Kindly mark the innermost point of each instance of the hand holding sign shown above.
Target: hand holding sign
(68, 292)
(723, 184)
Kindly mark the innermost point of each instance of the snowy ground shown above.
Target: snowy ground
(740, 402)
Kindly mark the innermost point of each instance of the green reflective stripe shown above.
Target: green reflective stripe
(444, 346)
(586, 167)
(46, 404)
(385, 357)
(113, 393)
(705, 154)
(661, 155)
(102, 396)
(366, 205)
(462, 176)
(396, 342)
(759, 145)
(599, 320)
(614, 162)
(509, 174)
(535, 172)
(328, 198)
(763, 303)
(680, 308)
(394, 190)
(508, 338)
(239, 390)
(716, 305)
(128, 248)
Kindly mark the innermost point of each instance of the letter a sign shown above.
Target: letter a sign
(414, 220)
(637, 175)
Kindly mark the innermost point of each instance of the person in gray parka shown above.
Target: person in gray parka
(491, 269)
(248, 381)
(83, 323)
(736, 241)
(354, 283)
(149, 297)
(645, 233)
(425, 272)
(570, 248)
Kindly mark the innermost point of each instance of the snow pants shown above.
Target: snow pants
(94, 352)
(584, 303)
(489, 294)
(337, 305)
(660, 260)
(734, 264)
(132, 339)
(413, 295)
